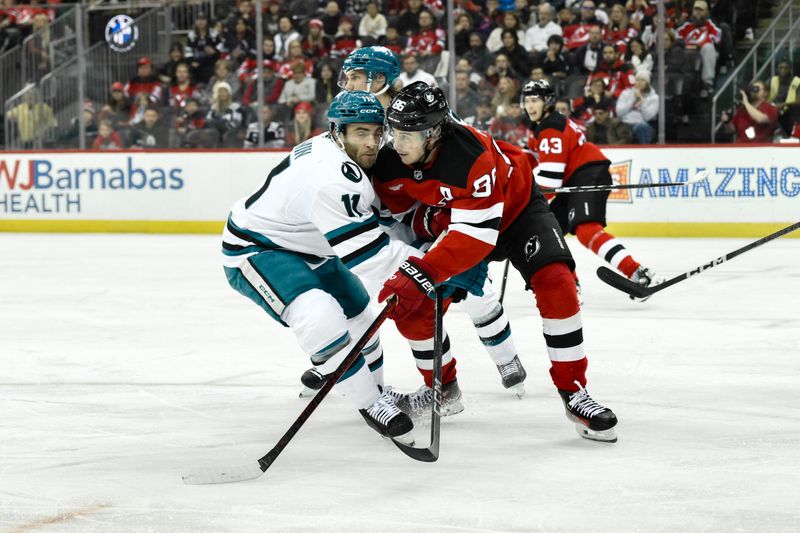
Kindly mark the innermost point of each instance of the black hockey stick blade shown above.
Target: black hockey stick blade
(431, 453)
(699, 176)
(254, 469)
(624, 284)
(637, 291)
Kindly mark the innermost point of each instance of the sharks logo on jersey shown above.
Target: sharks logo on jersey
(352, 171)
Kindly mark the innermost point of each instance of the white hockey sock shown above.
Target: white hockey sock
(491, 324)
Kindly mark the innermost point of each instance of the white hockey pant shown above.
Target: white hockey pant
(324, 333)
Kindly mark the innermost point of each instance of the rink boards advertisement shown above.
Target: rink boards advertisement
(749, 192)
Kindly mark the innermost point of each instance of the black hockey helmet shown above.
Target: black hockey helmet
(542, 89)
(418, 107)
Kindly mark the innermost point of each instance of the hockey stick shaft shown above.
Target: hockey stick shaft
(252, 471)
(431, 453)
(503, 284)
(627, 286)
(619, 187)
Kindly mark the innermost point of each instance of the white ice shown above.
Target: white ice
(127, 361)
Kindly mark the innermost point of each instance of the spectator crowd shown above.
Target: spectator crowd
(598, 54)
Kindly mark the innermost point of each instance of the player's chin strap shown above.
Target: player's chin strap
(369, 85)
(335, 131)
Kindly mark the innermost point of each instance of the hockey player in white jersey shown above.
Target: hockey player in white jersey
(291, 245)
(375, 69)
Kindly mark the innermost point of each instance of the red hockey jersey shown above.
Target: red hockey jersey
(561, 149)
(485, 183)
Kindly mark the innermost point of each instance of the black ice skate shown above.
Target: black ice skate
(312, 381)
(646, 278)
(419, 402)
(592, 420)
(387, 419)
(513, 375)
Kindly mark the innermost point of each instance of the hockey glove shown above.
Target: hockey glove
(470, 281)
(429, 222)
(411, 284)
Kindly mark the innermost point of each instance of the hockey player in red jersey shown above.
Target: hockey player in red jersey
(495, 214)
(565, 157)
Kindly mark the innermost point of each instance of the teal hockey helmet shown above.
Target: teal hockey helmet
(372, 60)
(355, 107)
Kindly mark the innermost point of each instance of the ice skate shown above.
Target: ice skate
(513, 375)
(387, 419)
(646, 278)
(419, 402)
(312, 382)
(592, 420)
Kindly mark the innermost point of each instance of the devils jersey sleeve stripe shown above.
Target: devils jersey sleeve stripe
(365, 252)
(344, 233)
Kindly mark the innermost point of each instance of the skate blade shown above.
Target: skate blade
(608, 435)
(307, 392)
(518, 389)
(453, 408)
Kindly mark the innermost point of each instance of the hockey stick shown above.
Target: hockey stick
(503, 284)
(703, 174)
(637, 291)
(254, 469)
(431, 453)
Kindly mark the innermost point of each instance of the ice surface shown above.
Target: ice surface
(126, 361)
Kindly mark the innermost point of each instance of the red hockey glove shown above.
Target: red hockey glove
(429, 222)
(411, 284)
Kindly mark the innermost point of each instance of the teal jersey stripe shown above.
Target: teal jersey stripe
(344, 229)
(497, 339)
(326, 353)
(375, 365)
(355, 367)
(366, 252)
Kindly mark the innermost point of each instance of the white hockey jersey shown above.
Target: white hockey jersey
(316, 202)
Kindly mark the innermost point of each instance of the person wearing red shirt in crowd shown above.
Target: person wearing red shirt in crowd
(182, 87)
(295, 55)
(618, 74)
(618, 30)
(145, 81)
(428, 43)
(596, 94)
(756, 119)
(273, 85)
(107, 138)
(566, 158)
(345, 41)
(577, 35)
(315, 43)
(495, 213)
(247, 69)
(393, 40)
(701, 34)
(509, 126)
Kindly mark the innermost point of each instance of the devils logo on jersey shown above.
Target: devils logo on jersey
(532, 247)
